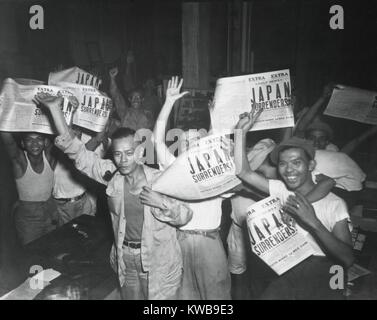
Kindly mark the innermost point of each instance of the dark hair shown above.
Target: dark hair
(122, 133)
(308, 156)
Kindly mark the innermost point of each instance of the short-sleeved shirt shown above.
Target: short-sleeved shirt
(339, 166)
(329, 210)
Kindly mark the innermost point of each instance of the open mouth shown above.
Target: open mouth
(291, 179)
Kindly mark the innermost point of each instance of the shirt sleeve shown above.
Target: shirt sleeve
(340, 212)
(88, 162)
(175, 212)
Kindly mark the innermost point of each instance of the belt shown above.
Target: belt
(132, 244)
(71, 199)
(206, 233)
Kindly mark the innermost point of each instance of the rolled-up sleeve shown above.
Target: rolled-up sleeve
(85, 161)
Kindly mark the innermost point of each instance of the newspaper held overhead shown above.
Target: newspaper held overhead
(94, 107)
(206, 170)
(235, 95)
(353, 104)
(74, 75)
(19, 113)
(279, 245)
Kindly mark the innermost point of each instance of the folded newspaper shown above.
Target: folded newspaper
(271, 91)
(279, 245)
(19, 113)
(206, 170)
(353, 104)
(74, 75)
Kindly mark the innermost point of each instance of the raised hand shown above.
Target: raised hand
(172, 92)
(48, 100)
(113, 72)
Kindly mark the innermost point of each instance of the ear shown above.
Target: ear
(22, 144)
(139, 152)
(312, 165)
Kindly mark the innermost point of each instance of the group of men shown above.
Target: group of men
(167, 248)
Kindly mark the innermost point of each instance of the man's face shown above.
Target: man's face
(125, 154)
(295, 168)
(136, 99)
(34, 143)
(318, 138)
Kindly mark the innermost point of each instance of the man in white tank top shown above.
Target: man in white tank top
(33, 165)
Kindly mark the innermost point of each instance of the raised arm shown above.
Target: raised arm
(243, 169)
(164, 156)
(354, 143)
(88, 162)
(119, 101)
(309, 116)
(321, 189)
(15, 154)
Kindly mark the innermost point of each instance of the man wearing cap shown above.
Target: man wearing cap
(319, 133)
(325, 222)
(258, 159)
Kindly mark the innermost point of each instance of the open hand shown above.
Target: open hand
(172, 92)
(301, 210)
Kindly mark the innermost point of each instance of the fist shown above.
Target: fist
(113, 72)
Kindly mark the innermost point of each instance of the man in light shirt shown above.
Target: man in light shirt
(325, 222)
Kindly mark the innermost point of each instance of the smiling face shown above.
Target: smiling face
(295, 168)
(126, 153)
(136, 99)
(318, 138)
(34, 143)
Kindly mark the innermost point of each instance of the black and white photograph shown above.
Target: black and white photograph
(188, 154)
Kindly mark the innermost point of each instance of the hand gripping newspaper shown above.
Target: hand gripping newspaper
(206, 170)
(281, 246)
(270, 91)
(19, 113)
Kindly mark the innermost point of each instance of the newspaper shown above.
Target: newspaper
(28, 289)
(94, 106)
(353, 104)
(206, 170)
(270, 91)
(74, 75)
(279, 245)
(19, 113)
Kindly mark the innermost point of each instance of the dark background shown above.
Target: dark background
(97, 33)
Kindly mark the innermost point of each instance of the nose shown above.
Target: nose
(289, 168)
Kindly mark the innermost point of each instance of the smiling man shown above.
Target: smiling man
(33, 166)
(146, 254)
(325, 222)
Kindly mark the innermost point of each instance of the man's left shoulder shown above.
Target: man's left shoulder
(332, 200)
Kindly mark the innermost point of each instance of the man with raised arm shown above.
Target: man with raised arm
(206, 275)
(325, 222)
(35, 212)
(146, 254)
